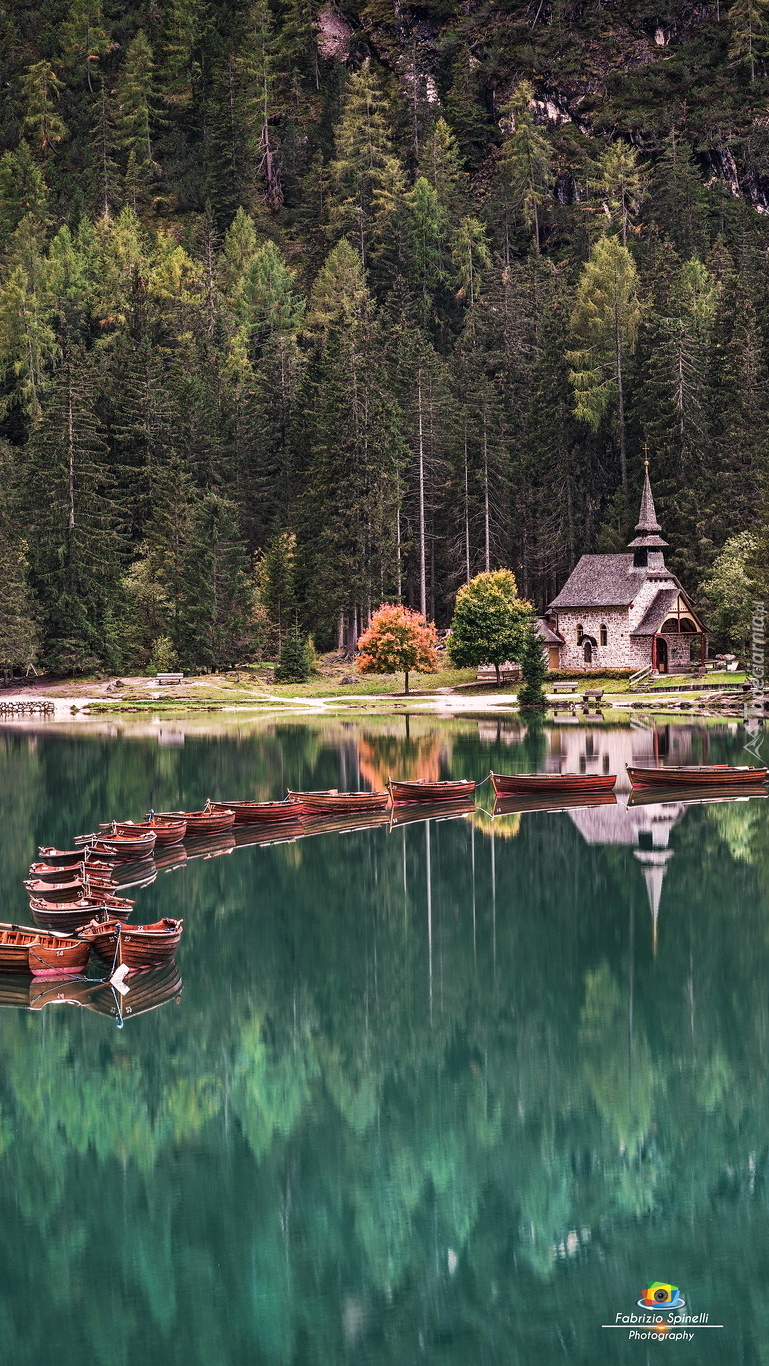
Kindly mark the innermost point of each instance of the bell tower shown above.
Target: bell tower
(648, 546)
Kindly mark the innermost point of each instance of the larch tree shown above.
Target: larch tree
(604, 329)
(750, 35)
(363, 164)
(526, 162)
(398, 641)
(84, 39)
(43, 124)
(618, 181)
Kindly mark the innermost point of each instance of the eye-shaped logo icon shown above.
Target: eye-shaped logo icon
(660, 1295)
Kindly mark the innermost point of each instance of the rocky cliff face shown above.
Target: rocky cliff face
(626, 70)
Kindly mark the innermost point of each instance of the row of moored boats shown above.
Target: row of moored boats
(72, 891)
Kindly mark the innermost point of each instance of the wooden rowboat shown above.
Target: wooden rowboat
(423, 790)
(697, 775)
(70, 917)
(67, 872)
(546, 784)
(253, 813)
(332, 801)
(61, 857)
(137, 946)
(125, 848)
(57, 892)
(24, 949)
(167, 829)
(205, 822)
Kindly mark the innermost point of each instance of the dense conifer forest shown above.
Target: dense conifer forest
(302, 309)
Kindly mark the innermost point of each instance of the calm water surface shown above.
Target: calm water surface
(455, 1092)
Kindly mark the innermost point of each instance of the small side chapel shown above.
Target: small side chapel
(625, 611)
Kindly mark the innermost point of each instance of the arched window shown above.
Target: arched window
(579, 632)
(588, 652)
(604, 635)
(640, 558)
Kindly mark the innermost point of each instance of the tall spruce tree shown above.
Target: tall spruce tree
(76, 546)
(604, 326)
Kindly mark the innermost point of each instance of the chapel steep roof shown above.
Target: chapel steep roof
(647, 527)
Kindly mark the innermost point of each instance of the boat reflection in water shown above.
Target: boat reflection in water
(146, 991)
(439, 811)
(210, 846)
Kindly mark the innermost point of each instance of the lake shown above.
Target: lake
(458, 1091)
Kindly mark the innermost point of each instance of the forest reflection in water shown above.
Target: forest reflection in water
(452, 1091)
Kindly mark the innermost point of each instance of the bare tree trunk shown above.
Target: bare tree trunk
(486, 493)
(398, 530)
(467, 519)
(422, 565)
(620, 406)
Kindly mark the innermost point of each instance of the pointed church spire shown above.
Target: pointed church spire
(647, 528)
(647, 520)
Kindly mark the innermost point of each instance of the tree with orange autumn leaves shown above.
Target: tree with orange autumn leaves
(398, 640)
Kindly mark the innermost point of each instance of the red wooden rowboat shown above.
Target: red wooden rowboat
(333, 801)
(138, 946)
(23, 949)
(423, 790)
(60, 857)
(253, 813)
(125, 848)
(57, 892)
(697, 775)
(66, 872)
(71, 917)
(167, 829)
(205, 822)
(510, 784)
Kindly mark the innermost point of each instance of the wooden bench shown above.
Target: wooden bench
(170, 678)
(565, 687)
(592, 697)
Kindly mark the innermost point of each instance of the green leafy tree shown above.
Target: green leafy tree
(730, 591)
(398, 641)
(604, 328)
(489, 621)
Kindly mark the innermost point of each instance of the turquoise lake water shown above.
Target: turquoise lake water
(453, 1092)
